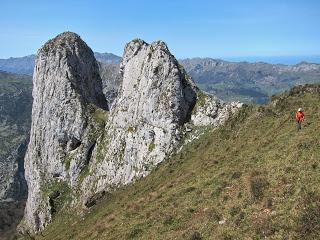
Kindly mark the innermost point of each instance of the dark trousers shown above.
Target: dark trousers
(299, 125)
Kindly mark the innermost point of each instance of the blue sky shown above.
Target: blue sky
(224, 29)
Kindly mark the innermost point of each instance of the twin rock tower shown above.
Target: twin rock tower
(81, 146)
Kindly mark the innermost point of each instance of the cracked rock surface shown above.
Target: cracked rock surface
(80, 148)
(66, 90)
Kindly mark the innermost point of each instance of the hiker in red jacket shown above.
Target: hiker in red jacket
(299, 118)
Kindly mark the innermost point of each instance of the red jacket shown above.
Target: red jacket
(299, 116)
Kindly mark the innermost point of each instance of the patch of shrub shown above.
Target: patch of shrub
(264, 227)
(135, 232)
(151, 147)
(214, 215)
(236, 175)
(234, 211)
(190, 189)
(168, 220)
(308, 224)
(258, 184)
(196, 236)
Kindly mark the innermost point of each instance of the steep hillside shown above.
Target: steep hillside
(15, 120)
(255, 177)
(248, 82)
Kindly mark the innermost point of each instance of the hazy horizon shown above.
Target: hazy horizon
(289, 60)
(220, 29)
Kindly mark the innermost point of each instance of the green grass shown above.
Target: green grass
(59, 194)
(151, 147)
(256, 177)
(100, 116)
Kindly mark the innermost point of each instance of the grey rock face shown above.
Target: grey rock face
(13, 189)
(145, 124)
(67, 89)
(111, 80)
(211, 111)
(79, 148)
(12, 184)
(15, 121)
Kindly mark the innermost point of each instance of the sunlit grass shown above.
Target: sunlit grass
(254, 178)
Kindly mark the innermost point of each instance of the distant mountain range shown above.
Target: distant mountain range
(276, 59)
(25, 65)
(242, 81)
(20, 65)
(248, 82)
(108, 58)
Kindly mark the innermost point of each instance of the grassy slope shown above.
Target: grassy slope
(254, 177)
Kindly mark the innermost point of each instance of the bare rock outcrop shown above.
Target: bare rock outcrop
(211, 111)
(67, 92)
(111, 81)
(79, 149)
(145, 125)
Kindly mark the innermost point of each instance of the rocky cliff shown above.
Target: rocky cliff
(78, 150)
(155, 100)
(15, 121)
(111, 81)
(67, 92)
(255, 177)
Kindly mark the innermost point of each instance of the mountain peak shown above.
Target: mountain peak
(65, 36)
(67, 90)
(65, 40)
(75, 144)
